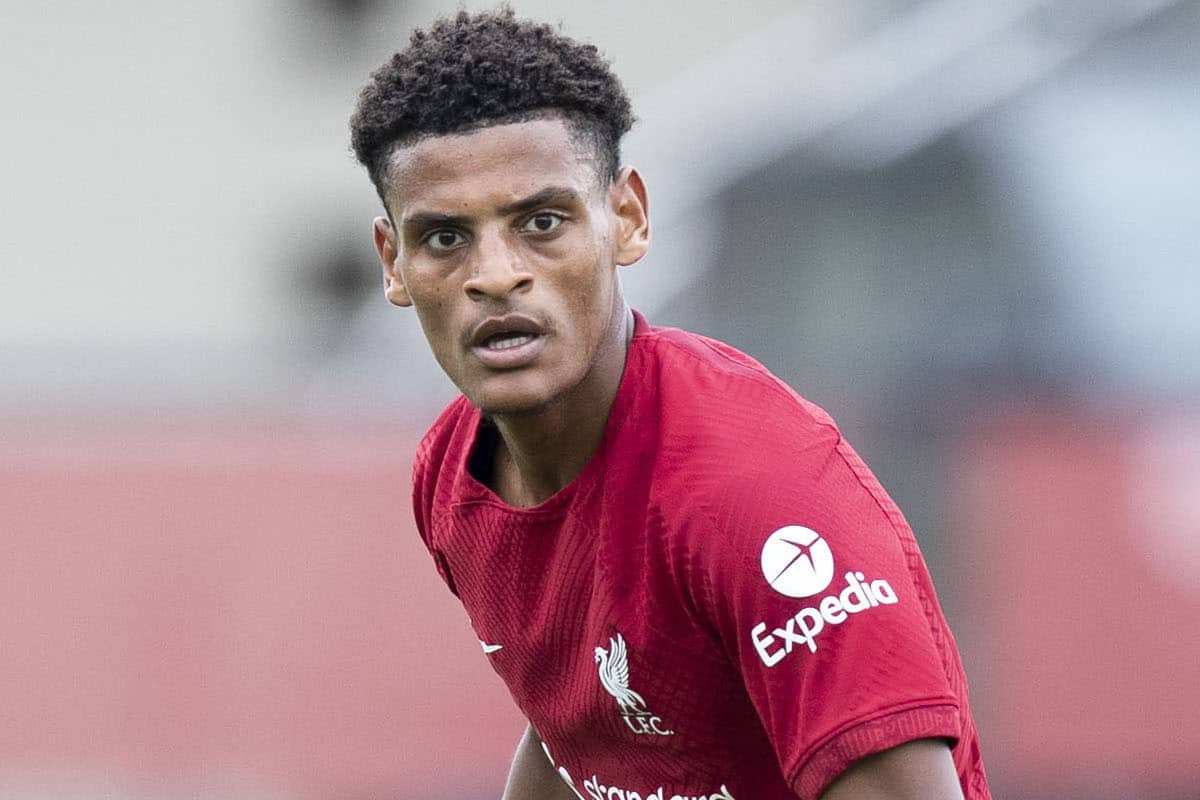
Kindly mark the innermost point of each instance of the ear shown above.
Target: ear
(385, 244)
(632, 212)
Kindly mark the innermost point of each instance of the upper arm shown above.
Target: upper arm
(533, 776)
(920, 770)
(812, 581)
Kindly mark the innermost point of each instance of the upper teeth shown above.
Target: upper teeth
(502, 342)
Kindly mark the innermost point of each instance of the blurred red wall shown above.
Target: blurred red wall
(194, 599)
(247, 600)
(1081, 585)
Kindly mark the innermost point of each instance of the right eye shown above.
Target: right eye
(444, 239)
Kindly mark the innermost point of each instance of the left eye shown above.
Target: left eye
(542, 223)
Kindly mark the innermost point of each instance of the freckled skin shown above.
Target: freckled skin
(461, 251)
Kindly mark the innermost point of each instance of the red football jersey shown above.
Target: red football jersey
(723, 604)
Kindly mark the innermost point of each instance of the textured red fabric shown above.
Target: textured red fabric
(723, 604)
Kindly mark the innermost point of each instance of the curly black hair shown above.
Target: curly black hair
(474, 70)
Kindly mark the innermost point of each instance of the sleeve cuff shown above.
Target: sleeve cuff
(881, 733)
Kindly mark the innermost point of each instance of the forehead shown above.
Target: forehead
(493, 165)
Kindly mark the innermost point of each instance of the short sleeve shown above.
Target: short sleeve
(816, 588)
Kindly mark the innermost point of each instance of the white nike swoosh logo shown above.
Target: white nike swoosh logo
(489, 648)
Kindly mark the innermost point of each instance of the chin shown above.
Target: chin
(510, 401)
(512, 410)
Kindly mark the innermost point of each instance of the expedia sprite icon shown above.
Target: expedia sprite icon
(797, 562)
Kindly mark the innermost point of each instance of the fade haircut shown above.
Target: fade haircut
(475, 70)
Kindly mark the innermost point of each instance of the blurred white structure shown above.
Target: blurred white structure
(184, 224)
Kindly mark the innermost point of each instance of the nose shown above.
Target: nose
(496, 270)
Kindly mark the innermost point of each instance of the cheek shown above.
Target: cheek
(590, 298)
(435, 313)
(430, 293)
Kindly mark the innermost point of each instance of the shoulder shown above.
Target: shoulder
(443, 436)
(728, 428)
(727, 385)
(435, 465)
(739, 455)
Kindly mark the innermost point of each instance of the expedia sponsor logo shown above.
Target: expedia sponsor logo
(805, 625)
(796, 561)
(598, 791)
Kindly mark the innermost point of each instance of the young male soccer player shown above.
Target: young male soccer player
(691, 584)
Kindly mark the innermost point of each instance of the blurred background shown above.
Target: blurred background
(968, 229)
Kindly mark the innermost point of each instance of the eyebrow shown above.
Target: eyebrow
(433, 219)
(550, 194)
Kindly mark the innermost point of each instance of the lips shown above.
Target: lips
(506, 342)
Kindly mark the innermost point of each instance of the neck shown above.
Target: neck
(539, 454)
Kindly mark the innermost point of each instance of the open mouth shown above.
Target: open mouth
(508, 340)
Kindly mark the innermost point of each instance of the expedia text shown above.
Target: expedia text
(807, 623)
